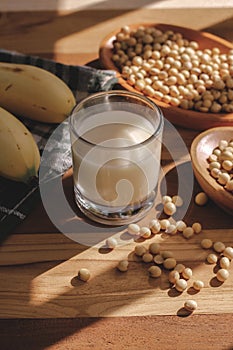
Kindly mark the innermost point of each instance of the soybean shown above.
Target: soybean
(190, 305)
(84, 274)
(222, 275)
(123, 265)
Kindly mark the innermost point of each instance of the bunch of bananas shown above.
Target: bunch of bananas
(34, 93)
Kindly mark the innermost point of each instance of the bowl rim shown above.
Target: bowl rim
(210, 185)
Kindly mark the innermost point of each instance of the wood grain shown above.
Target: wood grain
(42, 304)
(42, 264)
(170, 332)
(46, 287)
(79, 33)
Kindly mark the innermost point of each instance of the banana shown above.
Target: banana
(19, 155)
(34, 93)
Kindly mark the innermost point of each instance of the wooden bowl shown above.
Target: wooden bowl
(186, 118)
(202, 146)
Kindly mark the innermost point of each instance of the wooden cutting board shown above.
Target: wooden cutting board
(39, 266)
(42, 282)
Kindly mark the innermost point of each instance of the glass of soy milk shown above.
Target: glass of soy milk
(116, 139)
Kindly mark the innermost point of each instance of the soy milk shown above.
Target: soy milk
(116, 159)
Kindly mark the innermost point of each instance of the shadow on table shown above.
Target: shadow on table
(55, 25)
(220, 28)
(37, 25)
(78, 301)
(38, 334)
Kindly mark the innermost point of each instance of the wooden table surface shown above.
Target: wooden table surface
(42, 304)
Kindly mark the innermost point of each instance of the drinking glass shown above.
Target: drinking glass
(116, 141)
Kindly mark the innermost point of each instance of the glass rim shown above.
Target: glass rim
(145, 99)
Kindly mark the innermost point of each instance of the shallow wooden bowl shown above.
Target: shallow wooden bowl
(178, 116)
(202, 146)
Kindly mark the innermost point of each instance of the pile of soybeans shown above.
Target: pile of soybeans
(170, 68)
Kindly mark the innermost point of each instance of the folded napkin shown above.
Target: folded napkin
(16, 199)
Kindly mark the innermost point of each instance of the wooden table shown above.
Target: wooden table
(42, 304)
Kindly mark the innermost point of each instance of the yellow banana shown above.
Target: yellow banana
(34, 93)
(19, 155)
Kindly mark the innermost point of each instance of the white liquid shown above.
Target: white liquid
(116, 175)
